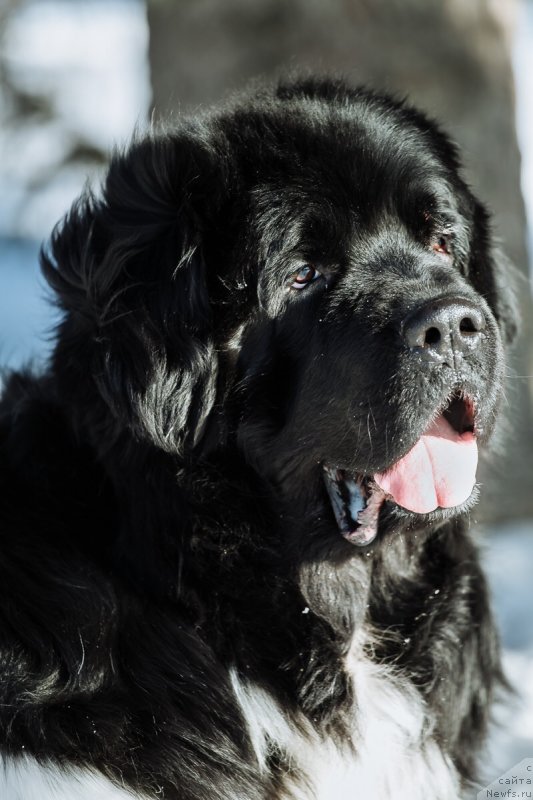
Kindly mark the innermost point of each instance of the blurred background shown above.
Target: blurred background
(77, 76)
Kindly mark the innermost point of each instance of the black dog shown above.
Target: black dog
(234, 558)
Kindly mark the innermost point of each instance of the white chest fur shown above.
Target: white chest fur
(25, 779)
(394, 755)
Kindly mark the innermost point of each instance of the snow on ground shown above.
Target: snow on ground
(508, 557)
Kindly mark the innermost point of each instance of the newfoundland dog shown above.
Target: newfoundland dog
(235, 559)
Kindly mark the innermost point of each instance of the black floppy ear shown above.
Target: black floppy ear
(494, 276)
(129, 272)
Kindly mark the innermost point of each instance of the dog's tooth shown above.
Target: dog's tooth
(357, 500)
(347, 499)
(332, 480)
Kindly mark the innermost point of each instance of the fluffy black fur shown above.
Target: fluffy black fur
(163, 512)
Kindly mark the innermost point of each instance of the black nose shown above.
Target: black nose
(443, 328)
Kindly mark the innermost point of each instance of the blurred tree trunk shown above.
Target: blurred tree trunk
(451, 57)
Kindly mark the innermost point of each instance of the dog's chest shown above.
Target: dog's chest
(25, 778)
(393, 755)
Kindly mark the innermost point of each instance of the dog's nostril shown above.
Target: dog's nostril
(467, 325)
(432, 336)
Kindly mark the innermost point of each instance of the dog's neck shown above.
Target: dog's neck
(408, 603)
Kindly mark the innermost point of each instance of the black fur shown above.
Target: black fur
(163, 513)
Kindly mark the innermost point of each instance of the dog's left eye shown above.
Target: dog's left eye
(304, 277)
(443, 244)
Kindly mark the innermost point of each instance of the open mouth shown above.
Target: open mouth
(438, 472)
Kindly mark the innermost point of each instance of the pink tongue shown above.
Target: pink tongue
(440, 470)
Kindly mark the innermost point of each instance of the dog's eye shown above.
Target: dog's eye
(443, 244)
(304, 277)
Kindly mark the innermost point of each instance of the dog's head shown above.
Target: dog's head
(303, 279)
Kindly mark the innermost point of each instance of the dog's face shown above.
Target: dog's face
(304, 280)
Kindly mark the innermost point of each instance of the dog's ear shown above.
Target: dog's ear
(129, 272)
(494, 276)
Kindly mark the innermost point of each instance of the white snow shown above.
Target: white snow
(508, 557)
(89, 59)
